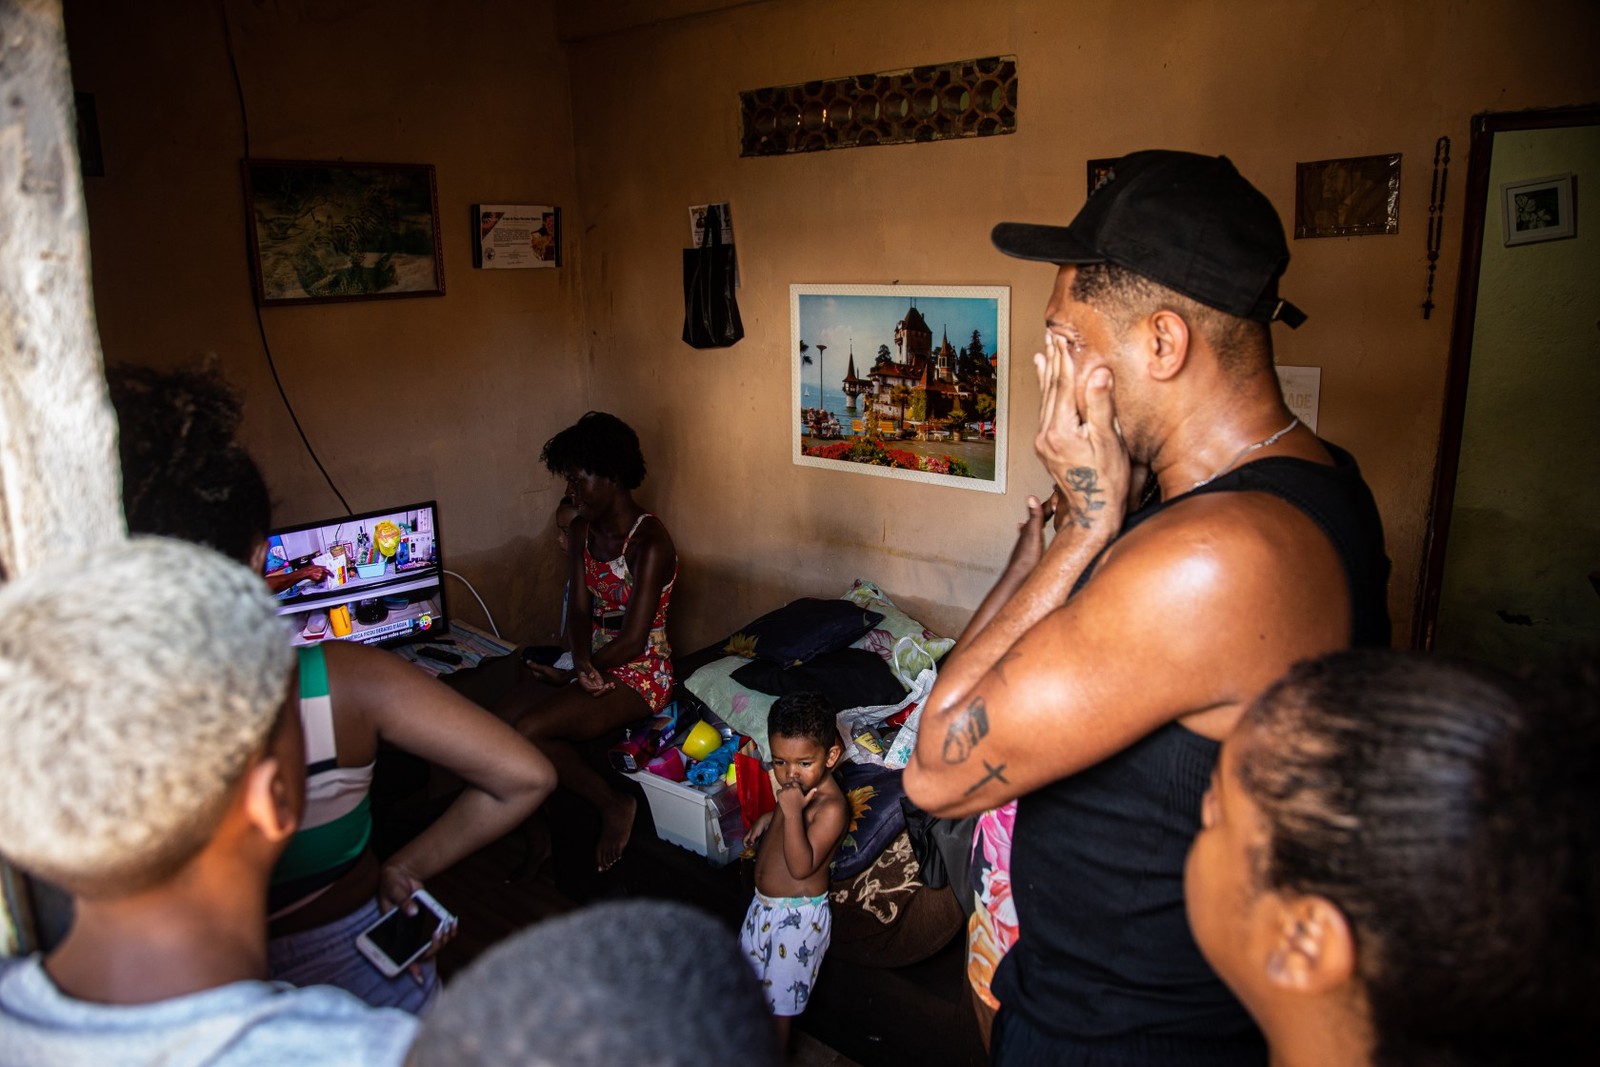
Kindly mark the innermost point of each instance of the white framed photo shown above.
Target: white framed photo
(1538, 209)
(902, 381)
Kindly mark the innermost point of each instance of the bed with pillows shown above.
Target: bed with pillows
(859, 651)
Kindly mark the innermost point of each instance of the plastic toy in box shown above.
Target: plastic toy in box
(703, 821)
(639, 746)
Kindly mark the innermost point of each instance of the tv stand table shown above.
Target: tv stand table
(475, 647)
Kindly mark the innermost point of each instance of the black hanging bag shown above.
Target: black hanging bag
(710, 310)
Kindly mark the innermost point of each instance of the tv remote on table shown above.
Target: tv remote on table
(440, 655)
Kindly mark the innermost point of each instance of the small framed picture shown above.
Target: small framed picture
(515, 236)
(1354, 197)
(1539, 209)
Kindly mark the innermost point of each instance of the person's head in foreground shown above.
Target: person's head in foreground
(1400, 864)
(141, 692)
(645, 983)
(1176, 254)
(803, 733)
(150, 770)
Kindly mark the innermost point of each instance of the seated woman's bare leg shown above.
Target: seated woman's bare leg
(571, 715)
(525, 695)
(616, 809)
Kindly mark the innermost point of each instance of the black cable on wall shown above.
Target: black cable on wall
(261, 330)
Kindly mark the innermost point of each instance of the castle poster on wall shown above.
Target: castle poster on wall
(902, 381)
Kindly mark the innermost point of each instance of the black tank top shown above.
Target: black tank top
(1104, 955)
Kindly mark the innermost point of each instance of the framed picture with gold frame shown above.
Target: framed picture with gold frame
(325, 232)
(1354, 197)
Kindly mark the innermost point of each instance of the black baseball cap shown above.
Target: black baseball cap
(1185, 221)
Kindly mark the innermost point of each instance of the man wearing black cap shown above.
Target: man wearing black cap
(1205, 540)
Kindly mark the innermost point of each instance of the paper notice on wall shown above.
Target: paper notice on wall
(516, 236)
(1302, 392)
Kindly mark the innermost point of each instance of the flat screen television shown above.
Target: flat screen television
(376, 577)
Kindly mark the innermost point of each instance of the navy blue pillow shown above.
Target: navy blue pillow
(848, 678)
(876, 817)
(803, 629)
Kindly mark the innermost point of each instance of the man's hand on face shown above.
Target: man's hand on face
(1080, 447)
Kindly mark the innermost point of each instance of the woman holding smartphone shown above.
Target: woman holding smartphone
(330, 886)
(184, 476)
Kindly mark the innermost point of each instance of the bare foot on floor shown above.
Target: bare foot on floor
(616, 824)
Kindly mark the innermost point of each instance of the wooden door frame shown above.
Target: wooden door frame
(1435, 537)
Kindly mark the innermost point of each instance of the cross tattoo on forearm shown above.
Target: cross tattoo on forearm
(996, 774)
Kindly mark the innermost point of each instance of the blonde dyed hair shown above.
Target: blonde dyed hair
(136, 686)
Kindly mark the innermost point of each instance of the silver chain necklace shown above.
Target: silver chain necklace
(1243, 452)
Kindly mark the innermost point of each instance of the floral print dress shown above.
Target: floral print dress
(610, 588)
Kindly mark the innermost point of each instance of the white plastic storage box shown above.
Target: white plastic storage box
(693, 818)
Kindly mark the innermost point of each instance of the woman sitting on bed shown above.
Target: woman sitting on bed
(622, 565)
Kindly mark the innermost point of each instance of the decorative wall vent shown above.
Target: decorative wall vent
(969, 98)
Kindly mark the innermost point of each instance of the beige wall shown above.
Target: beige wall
(447, 397)
(1525, 528)
(472, 383)
(1267, 83)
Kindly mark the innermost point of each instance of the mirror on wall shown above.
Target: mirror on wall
(1512, 563)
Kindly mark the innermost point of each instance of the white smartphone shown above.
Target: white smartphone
(395, 941)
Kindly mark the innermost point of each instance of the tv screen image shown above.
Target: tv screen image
(376, 577)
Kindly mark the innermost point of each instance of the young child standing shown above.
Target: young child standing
(788, 926)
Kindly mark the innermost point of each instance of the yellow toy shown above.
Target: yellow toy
(386, 535)
(702, 741)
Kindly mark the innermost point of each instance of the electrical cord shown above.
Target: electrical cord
(261, 329)
(478, 598)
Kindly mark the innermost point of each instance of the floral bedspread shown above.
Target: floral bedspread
(884, 889)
